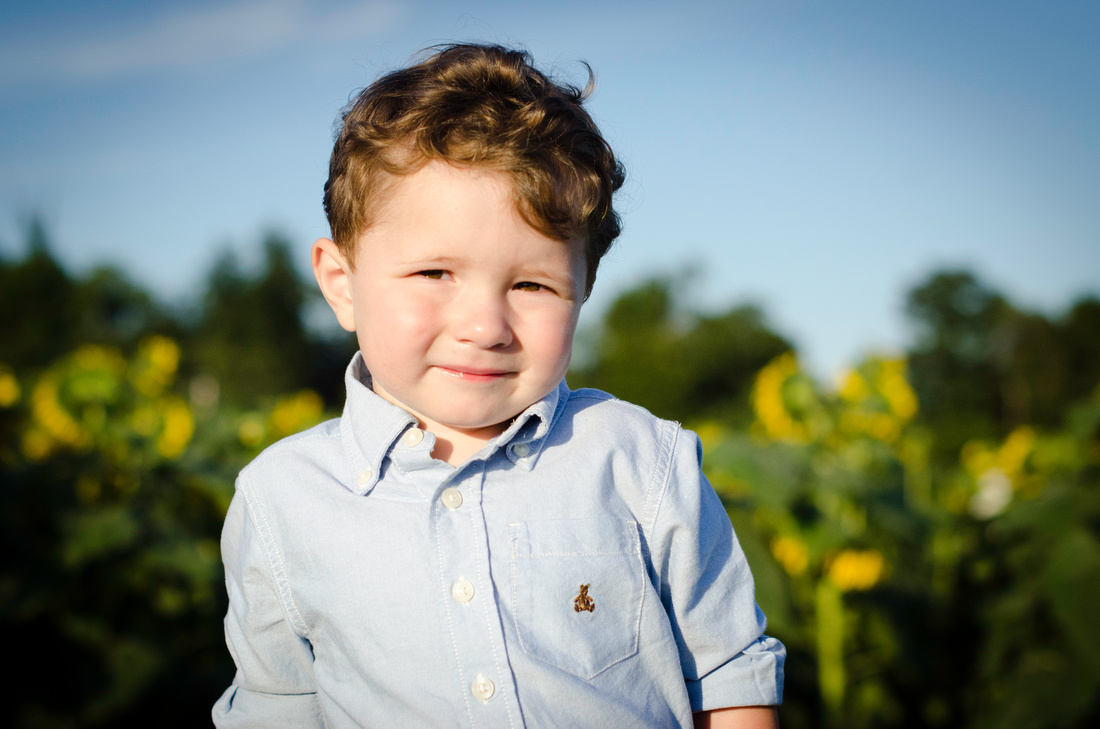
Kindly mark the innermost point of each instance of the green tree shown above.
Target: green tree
(1079, 332)
(680, 365)
(982, 367)
(251, 337)
(48, 312)
(952, 363)
(114, 310)
(38, 305)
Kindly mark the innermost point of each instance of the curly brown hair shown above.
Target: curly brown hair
(486, 106)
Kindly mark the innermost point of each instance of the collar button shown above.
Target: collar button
(412, 437)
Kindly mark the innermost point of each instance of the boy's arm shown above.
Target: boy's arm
(738, 717)
(274, 685)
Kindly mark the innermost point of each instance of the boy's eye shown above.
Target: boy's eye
(434, 273)
(529, 286)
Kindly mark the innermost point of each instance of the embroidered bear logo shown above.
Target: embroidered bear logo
(583, 602)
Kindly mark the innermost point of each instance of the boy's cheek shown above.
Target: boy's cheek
(388, 306)
(408, 324)
(397, 336)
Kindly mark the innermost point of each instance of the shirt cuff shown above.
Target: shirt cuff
(239, 708)
(753, 677)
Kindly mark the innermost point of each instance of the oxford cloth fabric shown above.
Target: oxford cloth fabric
(371, 585)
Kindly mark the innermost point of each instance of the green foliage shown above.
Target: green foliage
(110, 568)
(1040, 563)
(926, 596)
(114, 478)
(114, 489)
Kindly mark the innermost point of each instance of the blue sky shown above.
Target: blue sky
(817, 158)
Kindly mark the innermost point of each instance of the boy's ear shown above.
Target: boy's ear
(334, 277)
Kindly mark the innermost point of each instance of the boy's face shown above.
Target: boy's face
(464, 313)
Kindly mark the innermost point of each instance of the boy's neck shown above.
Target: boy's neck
(456, 446)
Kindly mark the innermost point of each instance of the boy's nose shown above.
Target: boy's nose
(481, 320)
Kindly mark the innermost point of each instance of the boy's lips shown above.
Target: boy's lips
(473, 374)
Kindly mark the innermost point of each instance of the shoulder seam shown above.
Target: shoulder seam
(588, 394)
(661, 473)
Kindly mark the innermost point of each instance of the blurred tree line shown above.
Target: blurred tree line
(247, 330)
(925, 533)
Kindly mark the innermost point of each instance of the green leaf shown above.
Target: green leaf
(1073, 577)
(95, 533)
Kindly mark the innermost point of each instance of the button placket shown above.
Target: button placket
(476, 638)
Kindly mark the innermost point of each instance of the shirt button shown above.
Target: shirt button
(451, 498)
(363, 476)
(463, 591)
(412, 437)
(483, 688)
(521, 450)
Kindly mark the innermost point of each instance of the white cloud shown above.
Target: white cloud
(184, 39)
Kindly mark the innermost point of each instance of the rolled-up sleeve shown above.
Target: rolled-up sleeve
(708, 592)
(274, 684)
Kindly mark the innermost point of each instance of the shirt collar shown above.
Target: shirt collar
(371, 425)
(523, 440)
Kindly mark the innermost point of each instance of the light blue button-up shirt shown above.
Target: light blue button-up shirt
(578, 571)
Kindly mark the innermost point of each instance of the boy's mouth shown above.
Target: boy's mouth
(474, 374)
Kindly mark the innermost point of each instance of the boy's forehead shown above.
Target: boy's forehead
(443, 178)
(435, 209)
(434, 188)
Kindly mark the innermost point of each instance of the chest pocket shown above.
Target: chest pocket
(578, 591)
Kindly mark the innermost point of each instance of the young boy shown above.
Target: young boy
(472, 544)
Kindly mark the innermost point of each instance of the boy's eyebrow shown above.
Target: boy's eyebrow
(531, 269)
(537, 271)
(444, 260)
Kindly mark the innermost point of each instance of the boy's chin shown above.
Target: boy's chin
(468, 418)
